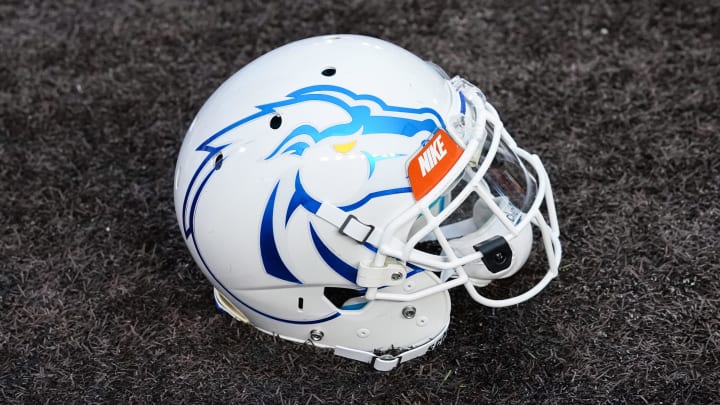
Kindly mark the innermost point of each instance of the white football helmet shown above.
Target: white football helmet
(336, 188)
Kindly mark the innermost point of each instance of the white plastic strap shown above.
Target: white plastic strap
(348, 224)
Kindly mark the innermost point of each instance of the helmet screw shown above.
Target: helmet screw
(409, 312)
(316, 335)
(500, 258)
(396, 276)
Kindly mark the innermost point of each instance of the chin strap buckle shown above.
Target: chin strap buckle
(355, 229)
(348, 224)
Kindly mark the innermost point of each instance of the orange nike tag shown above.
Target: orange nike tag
(432, 163)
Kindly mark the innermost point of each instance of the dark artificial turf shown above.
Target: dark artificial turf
(100, 301)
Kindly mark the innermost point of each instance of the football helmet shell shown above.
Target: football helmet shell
(336, 188)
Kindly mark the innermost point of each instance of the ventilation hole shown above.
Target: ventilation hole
(338, 295)
(218, 161)
(275, 122)
(300, 303)
(329, 72)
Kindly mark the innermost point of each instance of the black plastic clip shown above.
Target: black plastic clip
(497, 254)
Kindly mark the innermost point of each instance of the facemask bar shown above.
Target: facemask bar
(470, 131)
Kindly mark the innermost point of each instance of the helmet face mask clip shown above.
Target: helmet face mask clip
(309, 198)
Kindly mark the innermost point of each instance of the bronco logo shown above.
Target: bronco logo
(367, 116)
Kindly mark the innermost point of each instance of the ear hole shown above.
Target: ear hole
(218, 161)
(275, 122)
(338, 296)
(330, 71)
(300, 303)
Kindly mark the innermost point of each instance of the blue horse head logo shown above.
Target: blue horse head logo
(368, 115)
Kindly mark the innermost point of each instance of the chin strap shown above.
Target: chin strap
(387, 362)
